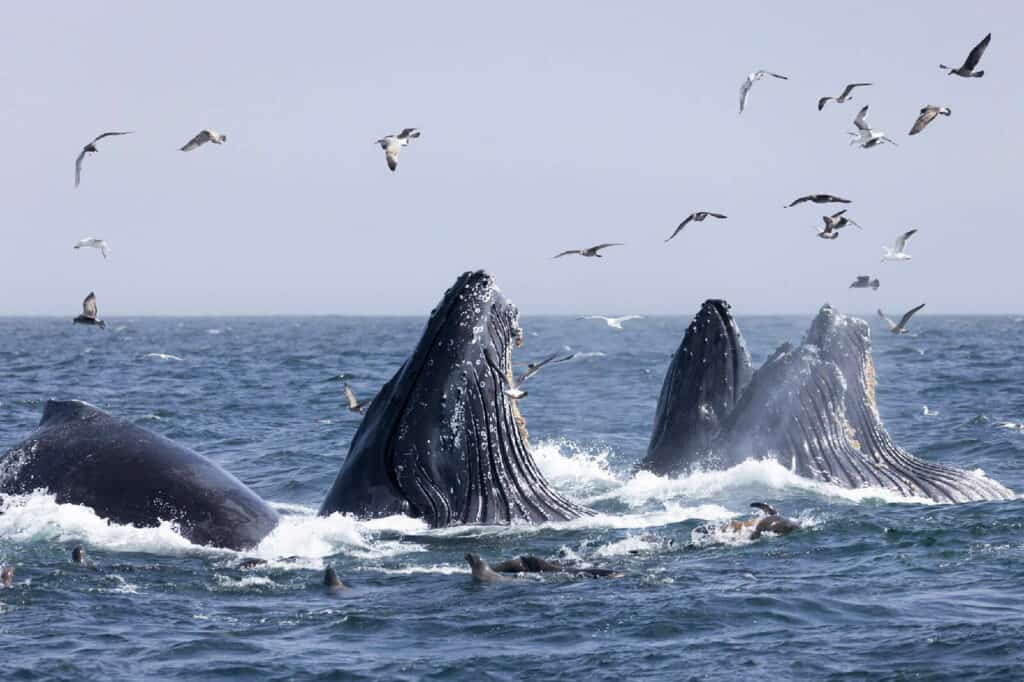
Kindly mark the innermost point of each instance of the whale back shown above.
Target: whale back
(130, 475)
(442, 441)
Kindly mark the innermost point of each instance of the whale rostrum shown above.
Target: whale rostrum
(812, 408)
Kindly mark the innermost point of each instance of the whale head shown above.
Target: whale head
(443, 441)
(708, 373)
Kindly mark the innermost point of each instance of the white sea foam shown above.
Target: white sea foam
(586, 476)
(300, 541)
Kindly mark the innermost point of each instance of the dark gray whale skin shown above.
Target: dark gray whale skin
(704, 381)
(442, 441)
(129, 475)
(812, 408)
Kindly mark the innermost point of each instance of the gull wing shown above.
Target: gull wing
(535, 367)
(78, 167)
(715, 215)
(862, 119)
(906, 317)
(821, 102)
(928, 114)
(800, 200)
(567, 253)
(104, 248)
(113, 132)
(901, 243)
(776, 75)
(863, 280)
(199, 140)
(975, 56)
(744, 90)
(89, 306)
(892, 325)
(604, 246)
(849, 88)
(408, 132)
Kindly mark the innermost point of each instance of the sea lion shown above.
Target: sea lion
(78, 557)
(481, 571)
(528, 563)
(771, 522)
(332, 582)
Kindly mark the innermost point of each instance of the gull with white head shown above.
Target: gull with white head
(749, 83)
(513, 384)
(901, 326)
(202, 137)
(613, 322)
(93, 243)
(392, 144)
(867, 137)
(897, 251)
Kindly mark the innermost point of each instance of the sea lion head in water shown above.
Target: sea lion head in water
(771, 522)
(78, 556)
(332, 582)
(481, 571)
(7, 576)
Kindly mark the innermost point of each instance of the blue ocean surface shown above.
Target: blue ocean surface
(873, 587)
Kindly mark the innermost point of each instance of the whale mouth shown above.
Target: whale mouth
(708, 373)
(443, 441)
(812, 407)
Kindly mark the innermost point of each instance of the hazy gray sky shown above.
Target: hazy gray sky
(546, 126)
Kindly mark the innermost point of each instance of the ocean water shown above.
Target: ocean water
(873, 587)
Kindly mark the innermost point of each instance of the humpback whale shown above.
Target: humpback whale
(442, 441)
(129, 475)
(811, 407)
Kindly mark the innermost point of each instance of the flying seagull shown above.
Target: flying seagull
(203, 137)
(392, 144)
(513, 387)
(896, 251)
(613, 322)
(833, 223)
(749, 83)
(865, 282)
(900, 328)
(866, 137)
(819, 199)
(837, 220)
(928, 115)
(591, 252)
(94, 243)
(353, 404)
(846, 96)
(967, 70)
(90, 148)
(89, 313)
(699, 217)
